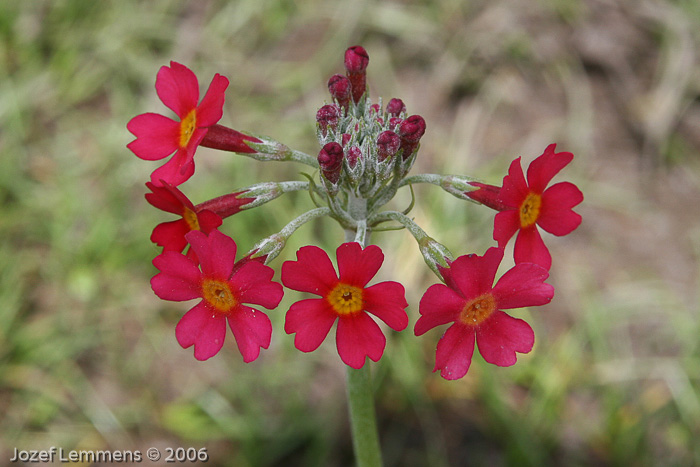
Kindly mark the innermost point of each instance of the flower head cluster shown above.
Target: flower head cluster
(366, 151)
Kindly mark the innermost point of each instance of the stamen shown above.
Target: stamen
(187, 127)
(477, 310)
(191, 218)
(219, 295)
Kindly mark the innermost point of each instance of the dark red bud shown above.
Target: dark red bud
(328, 116)
(339, 87)
(356, 59)
(395, 107)
(330, 159)
(354, 154)
(227, 139)
(388, 144)
(393, 121)
(411, 130)
(344, 138)
(376, 108)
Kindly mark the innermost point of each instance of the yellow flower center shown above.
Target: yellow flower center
(187, 127)
(530, 209)
(191, 218)
(477, 310)
(346, 299)
(218, 294)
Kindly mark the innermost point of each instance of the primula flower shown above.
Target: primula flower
(524, 205)
(171, 235)
(158, 136)
(224, 287)
(471, 301)
(345, 299)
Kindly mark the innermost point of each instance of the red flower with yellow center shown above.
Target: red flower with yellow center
(473, 304)
(525, 205)
(224, 287)
(345, 299)
(158, 136)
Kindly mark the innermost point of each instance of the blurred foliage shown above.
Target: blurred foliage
(88, 358)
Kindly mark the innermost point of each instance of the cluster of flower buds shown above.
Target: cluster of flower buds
(366, 152)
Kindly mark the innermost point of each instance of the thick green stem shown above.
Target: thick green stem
(363, 423)
(365, 437)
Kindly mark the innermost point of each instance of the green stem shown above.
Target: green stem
(363, 422)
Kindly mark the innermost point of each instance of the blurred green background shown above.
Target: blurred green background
(88, 356)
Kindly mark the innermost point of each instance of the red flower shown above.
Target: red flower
(224, 289)
(473, 304)
(158, 136)
(171, 235)
(345, 299)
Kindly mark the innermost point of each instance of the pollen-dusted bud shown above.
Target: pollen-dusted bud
(330, 159)
(356, 61)
(328, 117)
(228, 139)
(339, 87)
(395, 107)
(411, 130)
(354, 154)
(388, 144)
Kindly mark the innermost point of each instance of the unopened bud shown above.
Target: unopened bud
(330, 160)
(354, 154)
(388, 144)
(328, 117)
(356, 61)
(339, 87)
(227, 205)
(435, 254)
(411, 130)
(395, 107)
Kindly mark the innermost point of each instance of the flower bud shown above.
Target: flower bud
(354, 154)
(356, 61)
(435, 254)
(227, 139)
(328, 116)
(339, 87)
(345, 138)
(411, 130)
(395, 107)
(227, 205)
(388, 144)
(330, 160)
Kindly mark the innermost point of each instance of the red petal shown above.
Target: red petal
(171, 235)
(359, 337)
(252, 283)
(175, 171)
(202, 328)
(167, 198)
(523, 285)
(514, 189)
(500, 336)
(505, 224)
(473, 274)
(208, 221)
(556, 216)
(545, 167)
(454, 352)
(252, 330)
(386, 301)
(530, 248)
(216, 253)
(179, 278)
(178, 88)
(357, 266)
(311, 320)
(312, 272)
(439, 305)
(211, 109)
(156, 136)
